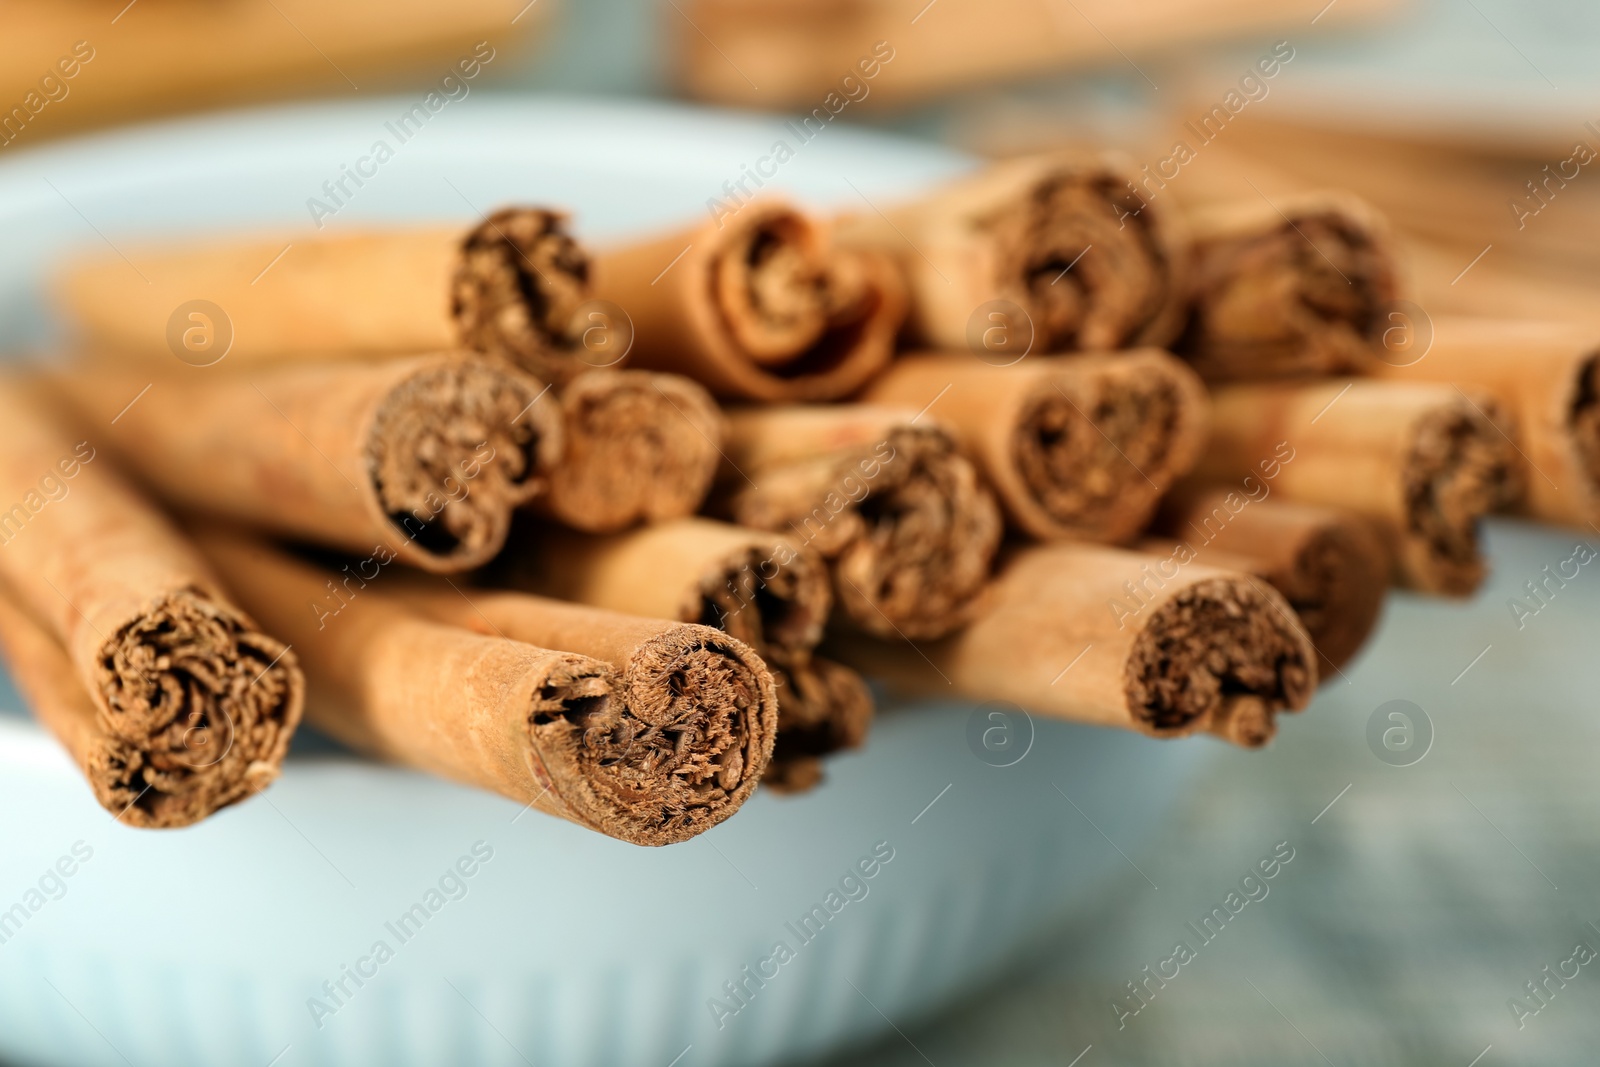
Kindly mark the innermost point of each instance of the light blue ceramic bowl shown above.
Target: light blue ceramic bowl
(211, 946)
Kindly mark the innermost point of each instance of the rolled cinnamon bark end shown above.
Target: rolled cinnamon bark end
(519, 284)
(699, 708)
(1116, 638)
(887, 497)
(172, 702)
(1298, 288)
(640, 448)
(1069, 242)
(758, 305)
(1548, 375)
(1329, 564)
(428, 455)
(1423, 461)
(511, 287)
(1076, 447)
(757, 587)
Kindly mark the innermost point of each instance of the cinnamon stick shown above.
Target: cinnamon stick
(649, 732)
(427, 456)
(168, 697)
(514, 286)
(760, 588)
(1423, 461)
(1547, 375)
(757, 304)
(886, 496)
(1117, 638)
(1329, 564)
(1298, 286)
(1062, 249)
(1076, 447)
(640, 447)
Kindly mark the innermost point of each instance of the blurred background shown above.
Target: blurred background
(1424, 896)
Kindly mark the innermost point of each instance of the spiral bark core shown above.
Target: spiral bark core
(1215, 642)
(1080, 253)
(198, 711)
(454, 449)
(694, 736)
(517, 289)
(640, 447)
(1081, 442)
(1307, 295)
(1459, 467)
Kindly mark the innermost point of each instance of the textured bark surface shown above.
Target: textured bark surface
(167, 696)
(1076, 447)
(1114, 638)
(640, 448)
(428, 455)
(1065, 239)
(902, 516)
(1298, 287)
(760, 305)
(1423, 461)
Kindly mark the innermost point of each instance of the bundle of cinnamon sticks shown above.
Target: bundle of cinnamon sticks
(623, 532)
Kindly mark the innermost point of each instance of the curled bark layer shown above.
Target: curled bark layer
(640, 448)
(428, 455)
(1068, 241)
(1110, 637)
(902, 516)
(1297, 288)
(1076, 447)
(1423, 461)
(759, 305)
(169, 698)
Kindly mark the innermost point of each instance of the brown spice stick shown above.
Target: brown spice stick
(902, 516)
(1065, 239)
(1329, 564)
(1547, 375)
(758, 587)
(1076, 447)
(640, 447)
(513, 286)
(428, 456)
(757, 305)
(1424, 461)
(1105, 636)
(1297, 286)
(182, 706)
(600, 740)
